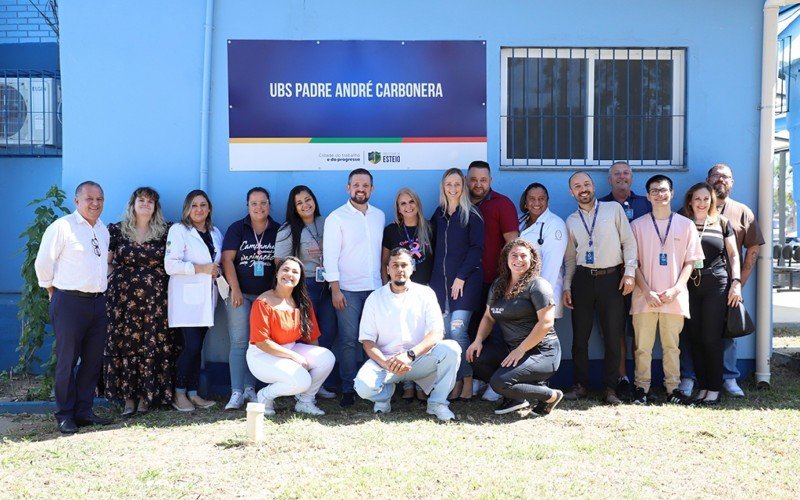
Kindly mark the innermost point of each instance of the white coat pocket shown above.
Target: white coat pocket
(193, 293)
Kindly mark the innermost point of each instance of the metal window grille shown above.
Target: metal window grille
(784, 74)
(592, 106)
(30, 113)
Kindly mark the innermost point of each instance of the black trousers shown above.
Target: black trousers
(80, 327)
(707, 307)
(528, 379)
(600, 294)
(187, 367)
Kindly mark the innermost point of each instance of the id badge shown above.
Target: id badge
(698, 264)
(629, 213)
(258, 268)
(590, 257)
(319, 274)
(662, 259)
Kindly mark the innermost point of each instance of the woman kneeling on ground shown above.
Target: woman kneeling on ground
(283, 348)
(522, 303)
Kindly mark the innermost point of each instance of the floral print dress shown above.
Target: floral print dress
(141, 349)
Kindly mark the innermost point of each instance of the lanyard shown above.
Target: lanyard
(315, 237)
(703, 232)
(405, 230)
(258, 240)
(594, 221)
(669, 225)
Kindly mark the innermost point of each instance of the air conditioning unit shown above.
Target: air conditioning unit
(28, 112)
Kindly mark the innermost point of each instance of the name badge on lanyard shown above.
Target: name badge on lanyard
(662, 257)
(590, 257)
(258, 268)
(590, 232)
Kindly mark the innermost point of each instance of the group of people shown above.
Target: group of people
(449, 306)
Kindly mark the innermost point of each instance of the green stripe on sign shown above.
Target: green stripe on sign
(355, 139)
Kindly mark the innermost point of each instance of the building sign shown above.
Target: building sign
(339, 105)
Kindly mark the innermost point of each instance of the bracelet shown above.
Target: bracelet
(737, 279)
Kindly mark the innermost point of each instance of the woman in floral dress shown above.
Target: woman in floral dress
(141, 349)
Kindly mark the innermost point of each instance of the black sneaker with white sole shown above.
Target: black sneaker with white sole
(639, 396)
(543, 408)
(677, 398)
(509, 405)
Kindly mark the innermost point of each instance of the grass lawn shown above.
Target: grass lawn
(744, 448)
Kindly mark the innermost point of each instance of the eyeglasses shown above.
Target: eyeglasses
(96, 245)
(659, 191)
(724, 177)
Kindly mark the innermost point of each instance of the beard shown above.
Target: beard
(358, 201)
(721, 190)
(401, 282)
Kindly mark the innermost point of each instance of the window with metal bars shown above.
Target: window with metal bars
(591, 106)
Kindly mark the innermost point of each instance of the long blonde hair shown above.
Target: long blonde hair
(423, 228)
(463, 201)
(157, 225)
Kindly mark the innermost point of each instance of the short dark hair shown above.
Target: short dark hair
(657, 178)
(397, 251)
(359, 171)
(523, 198)
(584, 172)
(257, 189)
(716, 166)
(87, 184)
(479, 164)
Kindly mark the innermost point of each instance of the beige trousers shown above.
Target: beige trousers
(669, 327)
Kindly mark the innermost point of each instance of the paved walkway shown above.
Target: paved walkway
(786, 307)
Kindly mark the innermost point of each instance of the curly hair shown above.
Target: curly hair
(300, 297)
(157, 225)
(503, 280)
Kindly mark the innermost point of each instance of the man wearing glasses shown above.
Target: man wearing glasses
(72, 264)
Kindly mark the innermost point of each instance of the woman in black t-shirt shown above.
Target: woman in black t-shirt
(411, 231)
(522, 304)
(709, 292)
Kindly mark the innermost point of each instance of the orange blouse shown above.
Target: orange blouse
(278, 325)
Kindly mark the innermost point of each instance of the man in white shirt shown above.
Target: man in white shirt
(402, 332)
(72, 264)
(351, 252)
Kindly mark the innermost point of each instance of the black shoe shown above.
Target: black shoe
(509, 405)
(639, 396)
(92, 419)
(677, 397)
(625, 390)
(348, 399)
(543, 408)
(67, 426)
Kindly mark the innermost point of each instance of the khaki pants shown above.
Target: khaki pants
(644, 327)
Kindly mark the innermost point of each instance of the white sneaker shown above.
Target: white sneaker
(236, 401)
(732, 388)
(382, 406)
(250, 395)
(441, 411)
(269, 404)
(309, 408)
(686, 387)
(490, 395)
(325, 393)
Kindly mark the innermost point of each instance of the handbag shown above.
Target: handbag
(738, 322)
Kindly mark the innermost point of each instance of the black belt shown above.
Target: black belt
(78, 293)
(599, 271)
(710, 270)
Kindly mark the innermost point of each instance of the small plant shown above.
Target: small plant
(34, 302)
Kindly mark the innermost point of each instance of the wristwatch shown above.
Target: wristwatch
(410, 354)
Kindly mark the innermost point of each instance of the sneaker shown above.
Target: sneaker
(442, 411)
(577, 392)
(490, 395)
(677, 397)
(325, 393)
(309, 408)
(236, 401)
(543, 408)
(250, 395)
(624, 389)
(686, 386)
(201, 403)
(382, 406)
(269, 404)
(639, 396)
(610, 397)
(732, 388)
(348, 399)
(509, 405)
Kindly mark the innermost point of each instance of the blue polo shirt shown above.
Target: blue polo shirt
(639, 204)
(240, 237)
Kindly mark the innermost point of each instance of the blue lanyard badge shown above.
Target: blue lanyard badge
(662, 257)
(590, 251)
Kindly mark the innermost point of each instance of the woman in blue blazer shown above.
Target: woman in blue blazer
(457, 273)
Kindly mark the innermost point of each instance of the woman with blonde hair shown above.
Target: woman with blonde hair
(457, 276)
(140, 351)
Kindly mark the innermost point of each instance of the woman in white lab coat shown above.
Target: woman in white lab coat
(192, 262)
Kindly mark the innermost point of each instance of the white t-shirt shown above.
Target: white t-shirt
(396, 322)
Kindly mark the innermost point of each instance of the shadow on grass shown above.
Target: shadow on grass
(784, 395)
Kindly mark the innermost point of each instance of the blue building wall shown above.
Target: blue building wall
(132, 91)
(20, 22)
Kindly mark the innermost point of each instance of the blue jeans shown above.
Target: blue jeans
(729, 368)
(376, 384)
(239, 332)
(320, 295)
(687, 362)
(187, 367)
(456, 327)
(346, 345)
